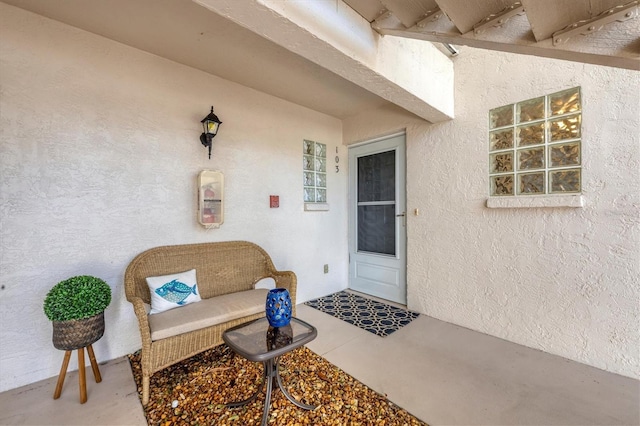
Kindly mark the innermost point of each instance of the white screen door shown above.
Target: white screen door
(377, 219)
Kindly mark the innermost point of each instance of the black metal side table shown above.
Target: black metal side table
(257, 341)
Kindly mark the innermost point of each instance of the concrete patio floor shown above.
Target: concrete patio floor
(441, 373)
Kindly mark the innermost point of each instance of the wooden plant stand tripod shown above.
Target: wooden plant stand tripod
(82, 380)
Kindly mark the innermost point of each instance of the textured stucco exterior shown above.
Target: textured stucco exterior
(563, 280)
(99, 156)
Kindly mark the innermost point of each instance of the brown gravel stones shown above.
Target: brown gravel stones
(195, 391)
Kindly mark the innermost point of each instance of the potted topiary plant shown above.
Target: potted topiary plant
(76, 308)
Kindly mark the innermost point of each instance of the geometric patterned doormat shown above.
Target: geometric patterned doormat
(375, 317)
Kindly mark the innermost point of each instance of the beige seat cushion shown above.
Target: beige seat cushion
(206, 313)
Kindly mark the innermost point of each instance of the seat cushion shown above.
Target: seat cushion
(206, 313)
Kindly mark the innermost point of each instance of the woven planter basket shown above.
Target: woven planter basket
(76, 334)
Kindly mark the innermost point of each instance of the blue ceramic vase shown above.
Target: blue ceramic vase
(278, 307)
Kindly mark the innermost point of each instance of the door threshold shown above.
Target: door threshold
(377, 299)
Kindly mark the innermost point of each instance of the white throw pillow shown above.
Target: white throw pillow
(173, 291)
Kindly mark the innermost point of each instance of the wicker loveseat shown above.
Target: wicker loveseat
(225, 270)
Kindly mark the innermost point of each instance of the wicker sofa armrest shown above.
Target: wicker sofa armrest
(285, 279)
(143, 321)
(288, 280)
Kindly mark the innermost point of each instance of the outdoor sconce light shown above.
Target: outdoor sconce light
(210, 124)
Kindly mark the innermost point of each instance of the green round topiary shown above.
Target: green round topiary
(76, 298)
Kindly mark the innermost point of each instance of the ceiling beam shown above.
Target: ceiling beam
(616, 45)
(588, 26)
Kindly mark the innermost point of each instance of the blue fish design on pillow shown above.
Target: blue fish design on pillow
(176, 292)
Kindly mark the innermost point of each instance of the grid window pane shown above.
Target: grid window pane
(321, 164)
(531, 135)
(563, 181)
(321, 150)
(565, 102)
(307, 147)
(501, 117)
(566, 154)
(530, 159)
(564, 128)
(501, 139)
(531, 183)
(502, 185)
(530, 110)
(307, 162)
(307, 178)
(309, 195)
(502, 162)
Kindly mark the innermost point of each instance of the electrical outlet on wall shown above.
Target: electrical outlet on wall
(326, 268)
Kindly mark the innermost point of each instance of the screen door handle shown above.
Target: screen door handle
(404, 218)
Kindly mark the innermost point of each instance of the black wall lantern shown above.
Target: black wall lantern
(210, 124)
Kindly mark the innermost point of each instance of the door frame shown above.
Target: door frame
(401, 233)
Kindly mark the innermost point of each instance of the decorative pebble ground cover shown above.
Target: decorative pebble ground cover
(199, 387)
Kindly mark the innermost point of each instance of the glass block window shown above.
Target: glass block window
(535, 146)
(314, 171)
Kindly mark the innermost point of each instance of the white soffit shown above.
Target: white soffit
(414, 76)
(187, 33)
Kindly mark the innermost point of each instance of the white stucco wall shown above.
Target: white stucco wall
(99, 156)
(562, 280)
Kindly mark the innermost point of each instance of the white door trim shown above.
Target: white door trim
(379, 138)
(377, 274)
